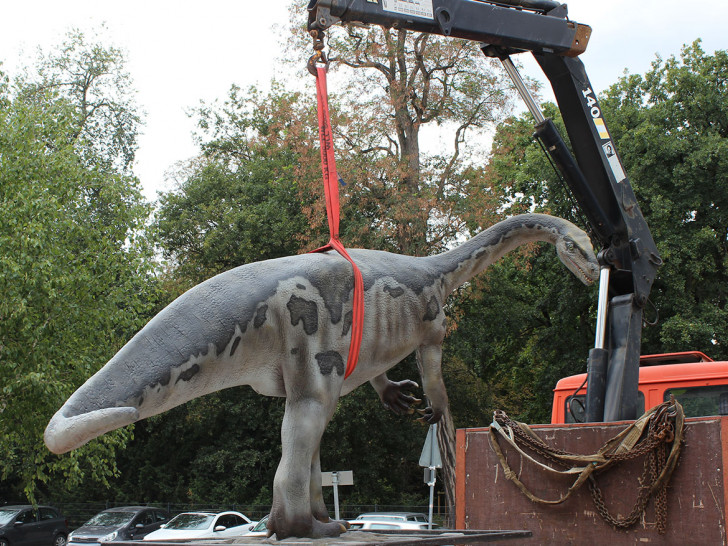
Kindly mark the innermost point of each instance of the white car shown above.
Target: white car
(259, 529)
(192, 525)
(387, 524)
(412, 517)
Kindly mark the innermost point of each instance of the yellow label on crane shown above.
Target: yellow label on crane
(601, 128)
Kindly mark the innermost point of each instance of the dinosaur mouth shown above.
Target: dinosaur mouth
(582, 274)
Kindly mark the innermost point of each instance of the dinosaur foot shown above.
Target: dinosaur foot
(308, 527)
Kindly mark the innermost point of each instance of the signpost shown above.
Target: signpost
(431, 460)
(342, 477)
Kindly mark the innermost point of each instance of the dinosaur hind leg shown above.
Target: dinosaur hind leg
(292, 513)
(318, 506)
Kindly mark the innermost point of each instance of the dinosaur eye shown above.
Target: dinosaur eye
(569, 245)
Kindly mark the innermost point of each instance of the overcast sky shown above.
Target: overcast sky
(181, 52)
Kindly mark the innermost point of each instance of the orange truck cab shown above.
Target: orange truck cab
(698, 382)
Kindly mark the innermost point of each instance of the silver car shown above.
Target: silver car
(114, 524)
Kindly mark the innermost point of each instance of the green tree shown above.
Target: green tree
(91, 77)
(526, 325)
(671, 126)
(414, 101)
(75, 265)
(242, 201)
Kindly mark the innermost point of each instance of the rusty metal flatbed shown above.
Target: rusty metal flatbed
(361, 538)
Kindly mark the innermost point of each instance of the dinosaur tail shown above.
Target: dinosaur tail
(182, 353)
(66, 433)
(116, 396)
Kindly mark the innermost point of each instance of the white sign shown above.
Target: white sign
(342, 477)
(417, 8)
(614, 163)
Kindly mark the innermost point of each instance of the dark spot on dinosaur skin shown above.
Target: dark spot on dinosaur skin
(394, 292)
(141, 401)
(300, 287)
(432, 310)
(348, 320)
(188, 374)
(294, 351)
(329, 360)
(260, 316)
(235, 345)
(335, 293)
(303, 310)
(444, 323)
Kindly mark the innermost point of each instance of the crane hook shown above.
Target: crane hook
(319, 55)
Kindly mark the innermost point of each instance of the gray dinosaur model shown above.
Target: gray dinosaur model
(283, 327)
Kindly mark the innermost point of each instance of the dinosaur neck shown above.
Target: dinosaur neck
(474, 256)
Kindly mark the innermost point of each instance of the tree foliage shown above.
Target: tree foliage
(672, 128)
(242, 201)
(75, 264)
(527, 323)
(91, 77)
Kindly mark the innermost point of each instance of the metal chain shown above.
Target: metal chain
(648, 476)
(536, 444)
(654, 446)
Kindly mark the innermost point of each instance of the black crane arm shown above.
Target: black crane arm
(594, 173)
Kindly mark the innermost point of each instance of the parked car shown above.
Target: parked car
(123, 523)
(25, 525)
(259, 529)
(191, 525)
(397, 516)
(387, 524)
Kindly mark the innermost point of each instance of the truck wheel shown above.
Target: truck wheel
(60, 540)
(4, 542)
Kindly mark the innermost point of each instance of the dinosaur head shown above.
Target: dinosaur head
(575, 252)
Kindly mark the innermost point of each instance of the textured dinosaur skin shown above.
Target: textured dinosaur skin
(283, 327)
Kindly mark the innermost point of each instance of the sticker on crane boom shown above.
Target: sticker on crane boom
(601, 128)
(417, 8)
(614, 163)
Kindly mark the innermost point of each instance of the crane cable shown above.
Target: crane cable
(331, 192)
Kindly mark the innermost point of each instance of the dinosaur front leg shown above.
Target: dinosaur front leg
(304, 421)
(392, 394)
(430, 360)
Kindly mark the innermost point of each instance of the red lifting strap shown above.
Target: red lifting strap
(331, 190)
